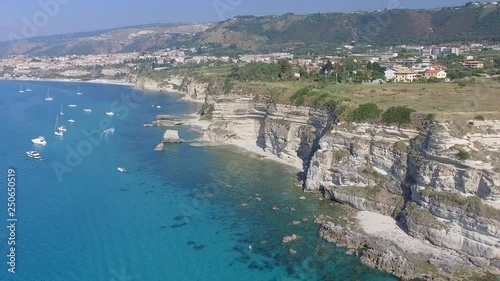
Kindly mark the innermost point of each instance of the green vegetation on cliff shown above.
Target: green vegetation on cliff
(365, 112)
(472, 204)
(397, 115)
(355, 102)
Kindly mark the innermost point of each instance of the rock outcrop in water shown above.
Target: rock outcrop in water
(411, 174)
(171, 136)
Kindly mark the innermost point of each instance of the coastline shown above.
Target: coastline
(374, 225)
(95, 81)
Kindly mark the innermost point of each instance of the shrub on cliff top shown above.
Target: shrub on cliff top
(365, 112)
(299, 97)
(397, 115)
(463, 154)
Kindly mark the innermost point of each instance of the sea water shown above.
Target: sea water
(187, 213)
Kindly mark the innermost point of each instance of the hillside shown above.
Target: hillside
(325, 31)
(135, 38)
(321, 32)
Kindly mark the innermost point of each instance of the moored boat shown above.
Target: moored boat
(39, 141)
(48, 97)
(33, 154)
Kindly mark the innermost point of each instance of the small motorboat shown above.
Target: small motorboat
(39, 141)
(121, 170)
(71, 121)
(72, 105)
(62, 129)
(33, 155)
(158, 106)
(87, 110)
(110, 113)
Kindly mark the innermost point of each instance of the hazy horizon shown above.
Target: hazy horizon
(53, 17)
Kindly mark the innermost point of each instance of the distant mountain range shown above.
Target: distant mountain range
(289, 32)
(126, 39)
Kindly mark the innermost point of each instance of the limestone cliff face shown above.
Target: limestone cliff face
(413, 175)
(381, 169)
(192, 89)
(287, 132)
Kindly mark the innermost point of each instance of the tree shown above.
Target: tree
(377, 68)
(285, 66)
(328, 66)
(496, 62)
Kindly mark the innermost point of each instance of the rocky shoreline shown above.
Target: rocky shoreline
(433, 216)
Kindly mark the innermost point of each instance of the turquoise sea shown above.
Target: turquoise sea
(174, 215)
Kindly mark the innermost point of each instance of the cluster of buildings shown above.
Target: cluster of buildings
(406, 75)
(397, 68)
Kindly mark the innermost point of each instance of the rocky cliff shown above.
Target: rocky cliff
(193, 90)
(435, 186)
(439, 181)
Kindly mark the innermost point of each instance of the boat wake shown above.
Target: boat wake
(108, 132)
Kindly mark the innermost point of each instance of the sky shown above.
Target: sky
(29, 18)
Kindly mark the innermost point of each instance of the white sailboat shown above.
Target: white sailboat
(61, 112)
(57, 132)
(28, 88)
(21, 89)
(48, 97)
(78, 92)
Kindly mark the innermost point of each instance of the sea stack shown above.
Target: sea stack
(171, 136)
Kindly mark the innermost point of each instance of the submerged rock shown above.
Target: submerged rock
(160, 147)
(291, 238)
